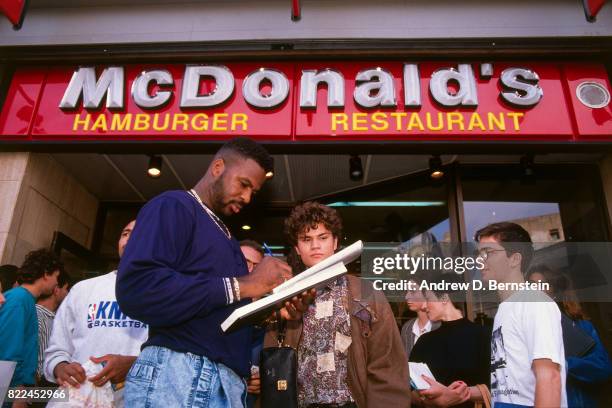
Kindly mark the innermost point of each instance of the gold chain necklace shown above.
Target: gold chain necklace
(211, 214)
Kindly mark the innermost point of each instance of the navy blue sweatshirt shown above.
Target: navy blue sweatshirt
(173, 276)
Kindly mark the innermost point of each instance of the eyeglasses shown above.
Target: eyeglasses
(485, 252)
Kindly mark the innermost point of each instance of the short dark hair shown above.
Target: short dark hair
(62, 280)
(248, 149)
(8, 276)
(307, 216)
(37, 264)
(512, 237)
(252, 244)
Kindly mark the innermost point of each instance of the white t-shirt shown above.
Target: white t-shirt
(527, 327)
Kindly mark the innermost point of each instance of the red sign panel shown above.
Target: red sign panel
(168, 122)
(327, 100)
(490, 117)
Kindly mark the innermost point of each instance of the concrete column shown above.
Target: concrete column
(38, 197)
(12, 171)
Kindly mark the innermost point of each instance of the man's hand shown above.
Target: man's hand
(295, 308)
(115, 369)
(270, 273)
(439, 395)
(69, 374)
(254, 384)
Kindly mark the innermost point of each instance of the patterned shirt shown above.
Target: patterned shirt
(323, 349)
(45, 323)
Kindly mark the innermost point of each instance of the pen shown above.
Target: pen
(267, 249)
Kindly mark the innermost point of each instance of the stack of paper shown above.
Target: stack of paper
(416, 371)
(7, 368)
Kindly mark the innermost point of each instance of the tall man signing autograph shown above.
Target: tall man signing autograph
(183, 274)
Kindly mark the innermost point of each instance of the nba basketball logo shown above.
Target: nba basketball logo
(91, 315)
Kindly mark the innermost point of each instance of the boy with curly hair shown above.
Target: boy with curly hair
(350, 353)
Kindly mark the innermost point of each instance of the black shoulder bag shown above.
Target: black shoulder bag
(278, 372)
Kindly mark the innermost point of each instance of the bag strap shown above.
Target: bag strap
(281, 329)
(486, 395)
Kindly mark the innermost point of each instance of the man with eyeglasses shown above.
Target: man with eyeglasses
(527, 356)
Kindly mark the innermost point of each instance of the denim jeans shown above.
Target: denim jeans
(164, 378)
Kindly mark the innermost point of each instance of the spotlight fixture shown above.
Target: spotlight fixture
(435, 168)
(246, 227)
(355, 168)
(269, 175)
(155, 166)
(527, 165)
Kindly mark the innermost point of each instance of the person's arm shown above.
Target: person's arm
(254, 384)
(475, 394)
(388, 381)
(60, 348)
(41, 351)
(269, 273)
(484, 367)
(149, 288)
(544, 347)
(115, 368)
(442, 396)
(439, 395)
(405, 335)
(12, 336)
(416, 399)
(548, 383)
(593, 367)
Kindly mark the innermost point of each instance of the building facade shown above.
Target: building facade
(511, 100)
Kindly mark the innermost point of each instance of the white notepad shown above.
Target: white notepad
(346, 256)
(7, 368)
(416, 370)
(315, 277)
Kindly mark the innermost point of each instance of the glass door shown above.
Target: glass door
(410, 210)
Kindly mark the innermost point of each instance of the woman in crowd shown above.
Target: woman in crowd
(586, 372)
(457, 353)
(414, 328)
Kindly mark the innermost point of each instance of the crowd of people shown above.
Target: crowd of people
(148, 334)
